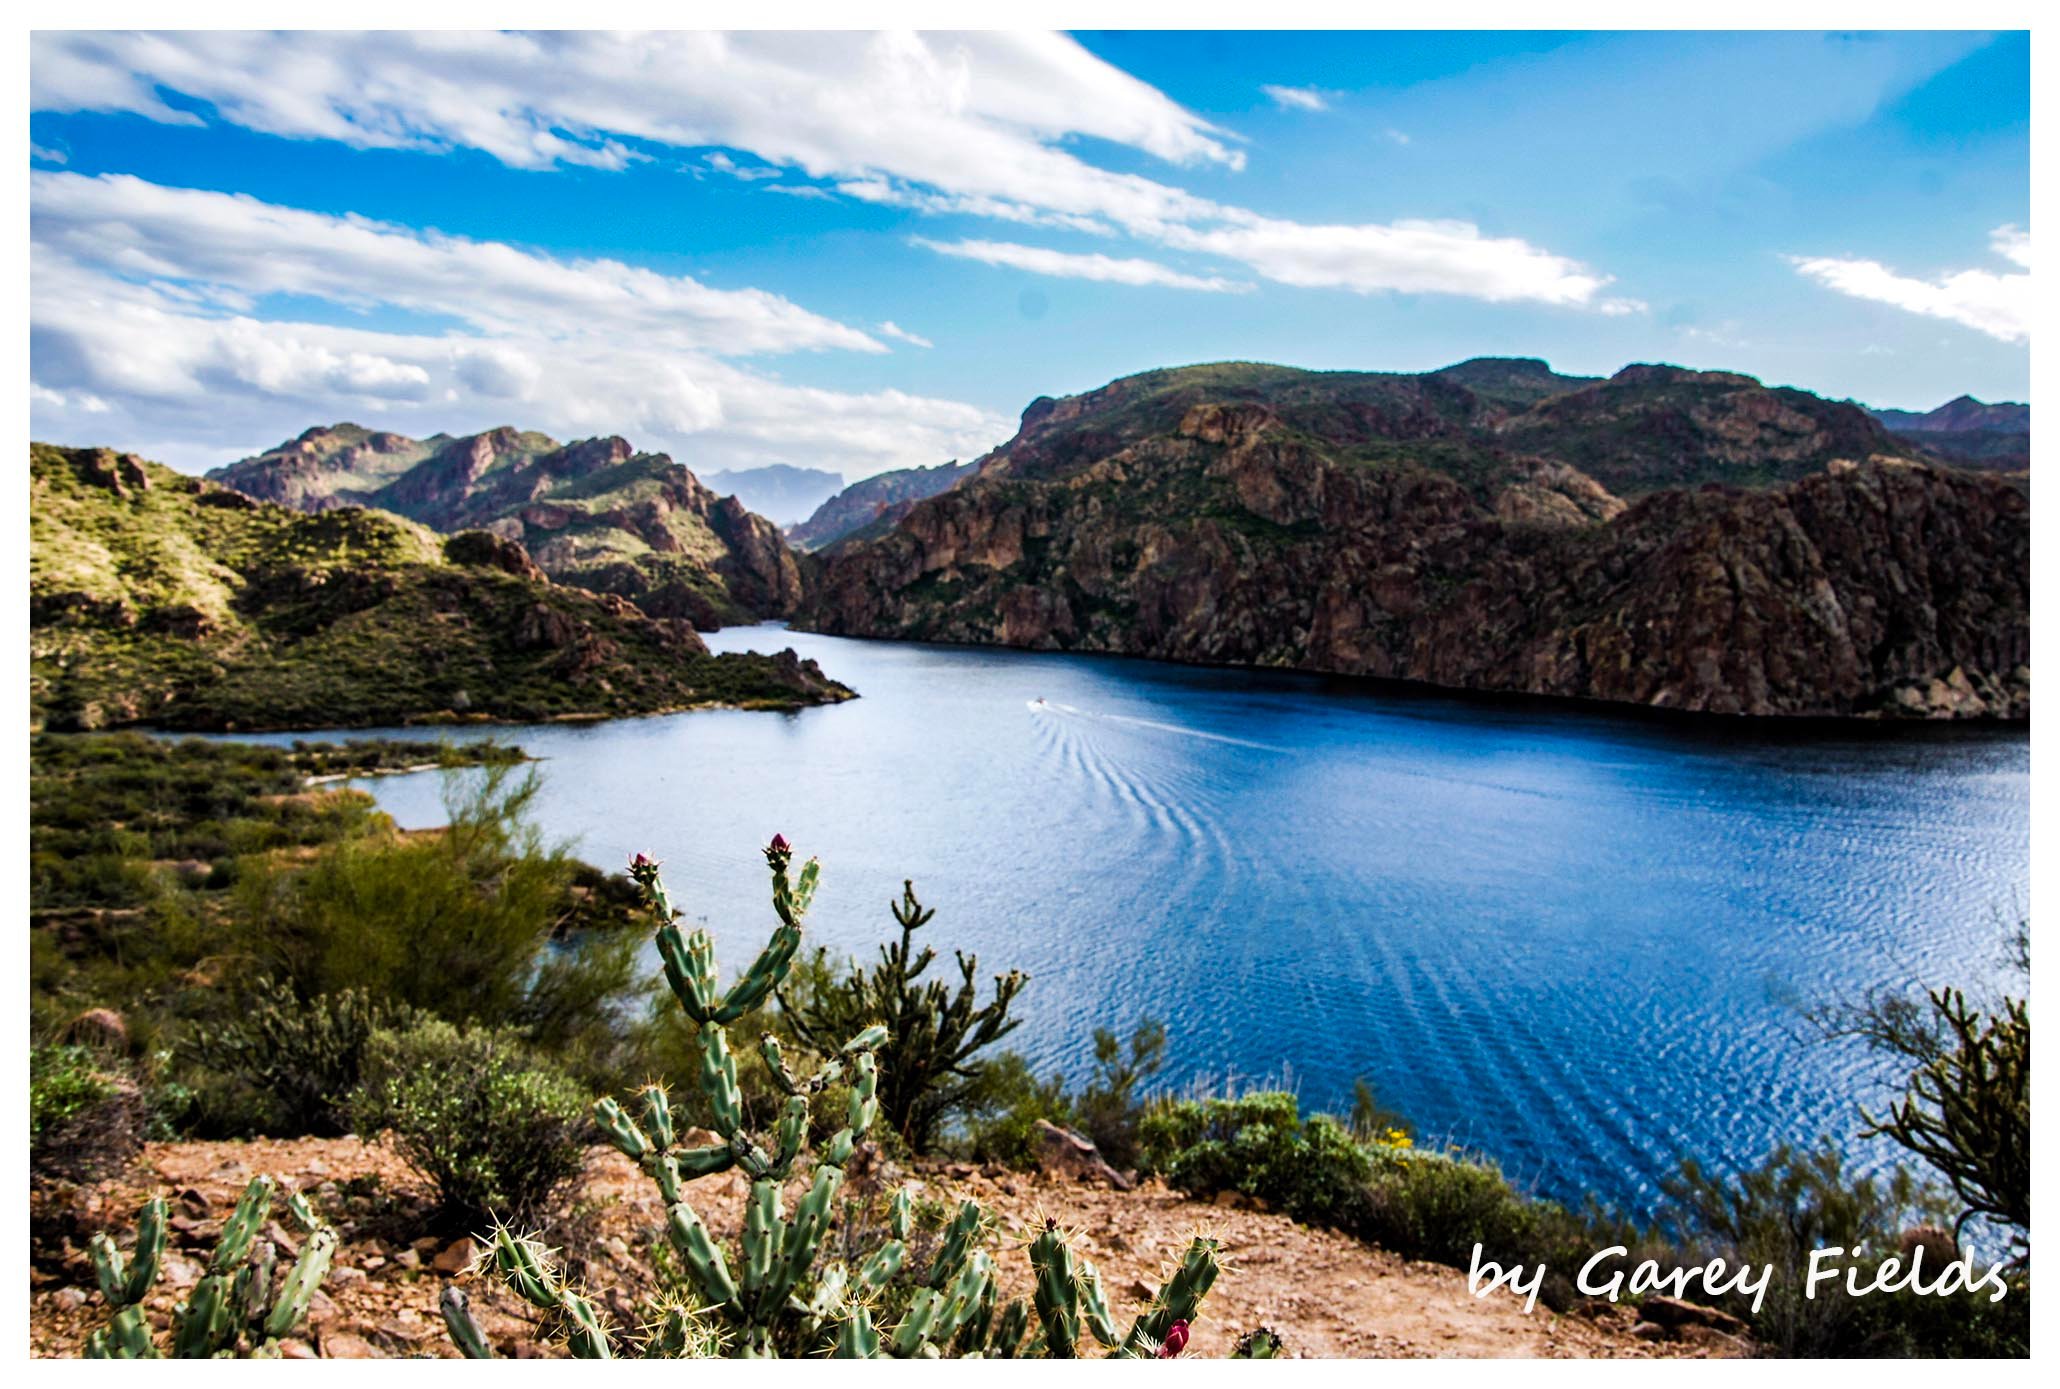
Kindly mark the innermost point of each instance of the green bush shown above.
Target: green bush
(496, 1132)
(1797, 1202)
(1002, 1110)
(1260, 1146)
(474, 922)
(299, 1060)
(1111, 1107)
(87, 1115)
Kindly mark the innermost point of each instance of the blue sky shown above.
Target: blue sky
(862, 252)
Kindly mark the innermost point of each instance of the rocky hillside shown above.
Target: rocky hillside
(1325, 1294)
(596, 513)
(875, 503)
(1675, 539)
(1968, 432)
(158, 598)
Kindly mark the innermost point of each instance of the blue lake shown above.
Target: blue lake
(1576, 941)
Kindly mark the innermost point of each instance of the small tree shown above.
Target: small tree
(1110, 1107)
(933, 1031)
(1967, 1112)
(1966, 1107)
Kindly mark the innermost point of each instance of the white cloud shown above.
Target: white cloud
(1409, 256)
(983, 124)
(47, 155)
(1040, 261)
(187, 236)
(149, 302)
(891, 329)
(1999, 305)
(1400, 137)
(1297, 98)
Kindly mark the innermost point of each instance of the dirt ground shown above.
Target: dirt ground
(1326, 1295)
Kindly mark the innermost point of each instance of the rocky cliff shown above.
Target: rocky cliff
(163, 599)
(1407, 527)
(875, 502)
(596, 513)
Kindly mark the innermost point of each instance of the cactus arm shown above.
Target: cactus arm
(702, 1256)
(1057, 1294)
(112, 1274)
(240, 1230)
(957, 1243)
(658, 1114)
(719, 1081)
(465, 1333)
(1009, 1329)
(1179, 1299)
(702, 1162)
(856, 1338)
(764, 1231)
(301, 1283)
(1095, 1303)
(125, 1337)
(882, 1264)
(150, 1249)
(204, 1322)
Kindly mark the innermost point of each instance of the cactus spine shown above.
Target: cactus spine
(235, 1308)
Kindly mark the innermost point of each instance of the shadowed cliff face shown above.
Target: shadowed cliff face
(595, 513)
(1374, 532)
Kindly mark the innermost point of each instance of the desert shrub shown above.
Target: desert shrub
(496, 1131)
(1259, 1145)
(87, 1115)
(1112, 1106)
(297, 1059)
(1002, 1109)
(474, 922)
(928, 1065)
(1797, 1202)
(1419, 1204)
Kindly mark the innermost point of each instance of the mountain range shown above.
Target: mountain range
(1680, 539)
(1967, 432)
(160, 598)
(596, 513)
(875, 503)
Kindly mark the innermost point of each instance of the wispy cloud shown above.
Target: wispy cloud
(891, 329)
(1998, 304)
(149, 322)
(1297, 98)
(47, 155)
(978, 124)
(1039, 260)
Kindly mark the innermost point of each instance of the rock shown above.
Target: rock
(194, 1200)
(1649, 1331)
(407, 1260)
(71, 1299)
(99, 1028)
(315, 1167)
(178, 1272)
(292, 1349)
(1938, 1244)
(1073, 1157)
(457, 1256)
(345, 1276)
(1673, 1313)
(346, 1345)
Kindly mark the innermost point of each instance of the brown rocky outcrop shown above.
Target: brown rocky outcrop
(1234, 532)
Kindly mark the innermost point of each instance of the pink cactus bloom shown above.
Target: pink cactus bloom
(1175, 1342)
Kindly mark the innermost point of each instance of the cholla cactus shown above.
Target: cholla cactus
(772, 1299)
(235, 1309)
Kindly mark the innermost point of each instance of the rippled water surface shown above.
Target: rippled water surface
(1576, 942)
